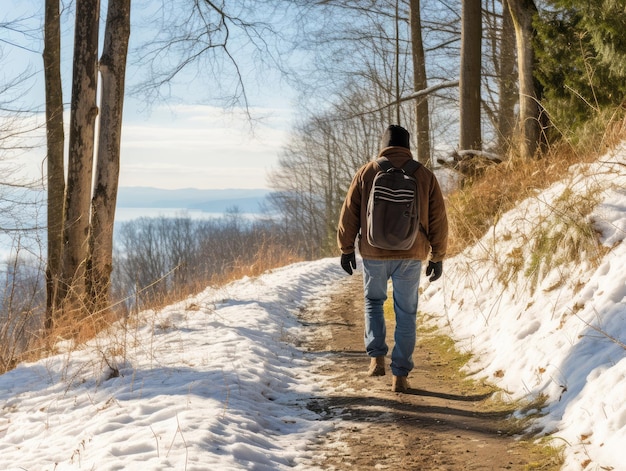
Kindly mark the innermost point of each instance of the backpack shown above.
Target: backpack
(392, 208)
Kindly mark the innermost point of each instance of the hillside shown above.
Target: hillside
(218, 381)
(542, 308)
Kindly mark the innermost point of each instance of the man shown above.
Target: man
(402, 266)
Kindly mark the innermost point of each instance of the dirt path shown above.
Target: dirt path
(443, 424)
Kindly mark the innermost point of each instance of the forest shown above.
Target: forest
(486, 87)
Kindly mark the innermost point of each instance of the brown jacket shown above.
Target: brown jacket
(433, 216)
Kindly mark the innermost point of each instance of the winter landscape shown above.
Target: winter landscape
(217, 382)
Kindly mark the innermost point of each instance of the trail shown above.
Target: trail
(443, 424)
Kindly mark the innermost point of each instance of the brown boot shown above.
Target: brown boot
(377, 367)
(399, 384)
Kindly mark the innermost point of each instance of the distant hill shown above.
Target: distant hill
(212, 201)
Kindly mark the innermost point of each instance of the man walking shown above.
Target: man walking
(402, 266)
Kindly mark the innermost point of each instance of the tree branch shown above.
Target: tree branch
(413, 96)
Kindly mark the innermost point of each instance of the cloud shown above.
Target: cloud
(200, 147)
(184, 147)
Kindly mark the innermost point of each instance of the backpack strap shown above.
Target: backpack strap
(409, 168)
(384, 164)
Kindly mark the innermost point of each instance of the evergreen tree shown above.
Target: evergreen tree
(604, 21)
(581, 59)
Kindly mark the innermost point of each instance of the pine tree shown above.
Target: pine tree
(581, 59)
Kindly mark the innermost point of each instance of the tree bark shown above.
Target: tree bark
(469, 82)
(420, 82)
(397, 64)
(529, 123)
(55, 167)
(81, 147)
(113, 73)
(507, 81)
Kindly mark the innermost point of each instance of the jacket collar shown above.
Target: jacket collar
(396, 153)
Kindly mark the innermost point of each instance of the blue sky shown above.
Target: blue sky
(188, 144)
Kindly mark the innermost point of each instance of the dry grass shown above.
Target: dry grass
(268, 256)
(476, 206)
(76, 327)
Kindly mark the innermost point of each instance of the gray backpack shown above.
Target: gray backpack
(392, 208)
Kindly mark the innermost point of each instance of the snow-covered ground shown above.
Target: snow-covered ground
(211, 383)
(542, 319)
(216, 381)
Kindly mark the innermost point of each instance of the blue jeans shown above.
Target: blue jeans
(405, 278)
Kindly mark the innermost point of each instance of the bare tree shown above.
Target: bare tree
(54, 157)
(21, 268)
(471, 36)
(507, 81)
(317, 165)
(420, 82)
(211, 41)
(161, 258)
(81, 154)
(89, 210)
(81, 213)
(530, 112)
(354, 41)
(113, 73)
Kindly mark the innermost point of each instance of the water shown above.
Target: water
(129, 214)
(34, 242)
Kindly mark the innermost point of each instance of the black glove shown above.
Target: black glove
(436, 268)
(348, 262)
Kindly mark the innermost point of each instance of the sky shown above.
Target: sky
(217, 381)
(198, 146)
(182, 142)
(186, 146)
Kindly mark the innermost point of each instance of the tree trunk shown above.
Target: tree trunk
(422, 115)
(397, 65)
(81, 146)
(113, 72)
(507, 82)
(469, 83)
(55, 142)
(529, 123)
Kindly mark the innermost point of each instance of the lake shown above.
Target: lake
(34, 243)
(128, 214)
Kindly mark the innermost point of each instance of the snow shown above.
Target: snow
(213, 382)
(217, 381)
(559, 335)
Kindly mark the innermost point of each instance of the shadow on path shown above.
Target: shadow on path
(437, 425)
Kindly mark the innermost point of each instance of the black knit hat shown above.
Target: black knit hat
(395, 135)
